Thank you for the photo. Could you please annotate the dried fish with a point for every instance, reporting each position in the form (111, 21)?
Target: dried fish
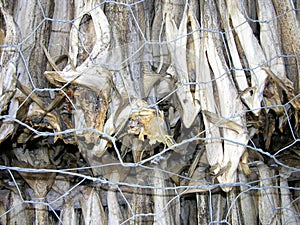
(272, 96)
(162, 210)
(223, 122)
(268, 197)
(92, 208)
(150, 122)
(141, 204)
(290, 37)
(102, 35)
(177, 44)
(247, 201)
(87, 75)
(288, 212)
(244, 163)
(193, 50)
(239, 75)
(4, 206)
(223, 158)
(38, 118)
(21, 214)
(40, 183)
(252, 50)
(287, 86)
(68, 215)
(233, 216)
(202, 208)
(8, 78)
(272, 49)
(114, 211)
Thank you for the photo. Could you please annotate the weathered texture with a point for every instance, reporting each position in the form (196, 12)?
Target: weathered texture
(290, 38)
(35, 32)
(9, 54)
(149, 112)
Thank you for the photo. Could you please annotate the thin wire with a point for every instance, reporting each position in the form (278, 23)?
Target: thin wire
(180, 190)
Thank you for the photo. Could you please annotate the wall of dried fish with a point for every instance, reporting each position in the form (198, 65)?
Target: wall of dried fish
(149, 112)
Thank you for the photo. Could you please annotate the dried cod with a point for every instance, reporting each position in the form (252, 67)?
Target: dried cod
(177, 44)
(290, 37)
(92, 208)
(268, 196)
(88, 75)
(68, 215)
(223, 157)
(289, 211)
(150, 122)
(39, 182)
(8, 60)
(253, 53)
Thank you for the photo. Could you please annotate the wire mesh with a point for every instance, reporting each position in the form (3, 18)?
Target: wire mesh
(113, 167)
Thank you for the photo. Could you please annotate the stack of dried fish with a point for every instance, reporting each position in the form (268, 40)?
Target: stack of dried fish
(162, 112)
